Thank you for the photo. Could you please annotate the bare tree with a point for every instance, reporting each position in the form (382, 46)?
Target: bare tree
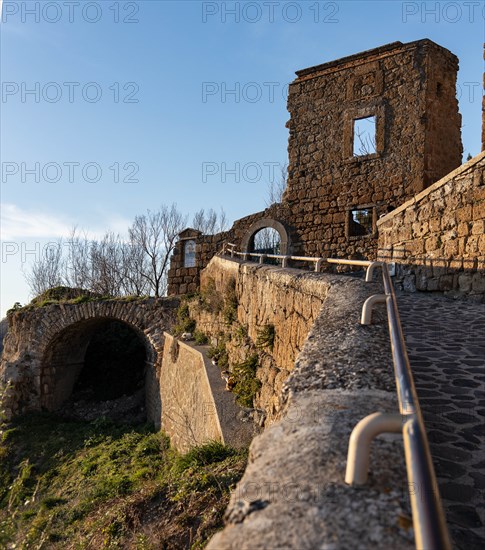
(210, 222)
(133, 262)
(113, 266)
(78, 263)
(277, 186)
(106, 265)
(47, 271)
(156, 234)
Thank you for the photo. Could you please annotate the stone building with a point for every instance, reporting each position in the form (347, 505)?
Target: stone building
(366, 133)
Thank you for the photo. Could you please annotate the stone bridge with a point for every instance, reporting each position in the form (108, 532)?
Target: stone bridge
(45, 348)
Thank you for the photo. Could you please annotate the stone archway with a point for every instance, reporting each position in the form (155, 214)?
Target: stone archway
(45, 348)
(248, 240)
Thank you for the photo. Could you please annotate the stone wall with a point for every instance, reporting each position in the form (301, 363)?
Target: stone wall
(182, 280)
(186, 397)
(287, 299)
(196, 408)
(483, 106)
(437, 239)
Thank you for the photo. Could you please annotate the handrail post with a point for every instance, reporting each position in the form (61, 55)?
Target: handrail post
(262, 257)
(318, 264)
(284, 261)
(360, 441)
(369, 274)
(366, 318)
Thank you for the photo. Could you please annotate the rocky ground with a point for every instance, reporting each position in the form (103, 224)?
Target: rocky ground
(128, 409)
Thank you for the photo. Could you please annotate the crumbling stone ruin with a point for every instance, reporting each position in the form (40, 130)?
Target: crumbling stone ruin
(366, 134)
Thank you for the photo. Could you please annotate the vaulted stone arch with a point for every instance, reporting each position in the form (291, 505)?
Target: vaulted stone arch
(248, 239)
(45, 348)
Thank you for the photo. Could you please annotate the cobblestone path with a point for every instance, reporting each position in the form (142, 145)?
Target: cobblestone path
(446, 346)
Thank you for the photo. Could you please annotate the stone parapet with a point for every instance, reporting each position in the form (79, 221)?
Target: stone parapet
(437, 238)
(293, 494)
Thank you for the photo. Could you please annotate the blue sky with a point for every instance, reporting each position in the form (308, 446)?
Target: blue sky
(141, 91)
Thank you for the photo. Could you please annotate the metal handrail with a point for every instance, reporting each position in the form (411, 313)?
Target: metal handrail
(429, 522)
(284, 258)
(431, 532)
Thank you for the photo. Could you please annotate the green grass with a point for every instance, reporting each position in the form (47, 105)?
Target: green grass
(77, 484)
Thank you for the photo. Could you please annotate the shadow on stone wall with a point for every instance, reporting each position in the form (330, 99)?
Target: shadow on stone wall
(435, 275)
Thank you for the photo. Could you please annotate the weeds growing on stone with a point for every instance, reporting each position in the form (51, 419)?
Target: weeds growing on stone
(266, 336)
(230, 302)
(247, 384)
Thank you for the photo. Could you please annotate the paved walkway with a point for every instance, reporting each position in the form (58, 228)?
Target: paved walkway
(446, 346)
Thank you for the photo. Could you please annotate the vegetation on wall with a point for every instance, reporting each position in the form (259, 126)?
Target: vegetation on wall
(67, 295)
(266, 336)
(210, 298)
(219, 353)
(200, 338)
(100, 485)
(184, 322)
(246, 383)
(230, 302)
(223, 306)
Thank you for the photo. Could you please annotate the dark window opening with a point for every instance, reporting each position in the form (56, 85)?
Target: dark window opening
(361, 222)
(189, 253)
(114, 364)
(364, 136)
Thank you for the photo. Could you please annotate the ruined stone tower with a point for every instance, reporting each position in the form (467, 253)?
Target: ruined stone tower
(367, 132)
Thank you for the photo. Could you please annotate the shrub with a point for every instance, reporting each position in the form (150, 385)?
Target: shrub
(241, 333)
(230, 302)
(211, 299)
(247, 384)
(211, 452)
(266, 335)
(15, 307)
(200, 338)
(185, 323)
(219, 354)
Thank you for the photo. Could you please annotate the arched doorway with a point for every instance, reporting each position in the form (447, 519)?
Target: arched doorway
(97, 368)
(266, 241)
(266, 236)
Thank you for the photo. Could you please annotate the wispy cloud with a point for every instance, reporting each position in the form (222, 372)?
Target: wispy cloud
(19, 223)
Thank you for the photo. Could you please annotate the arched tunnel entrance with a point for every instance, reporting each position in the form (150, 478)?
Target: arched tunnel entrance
(97, 368)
